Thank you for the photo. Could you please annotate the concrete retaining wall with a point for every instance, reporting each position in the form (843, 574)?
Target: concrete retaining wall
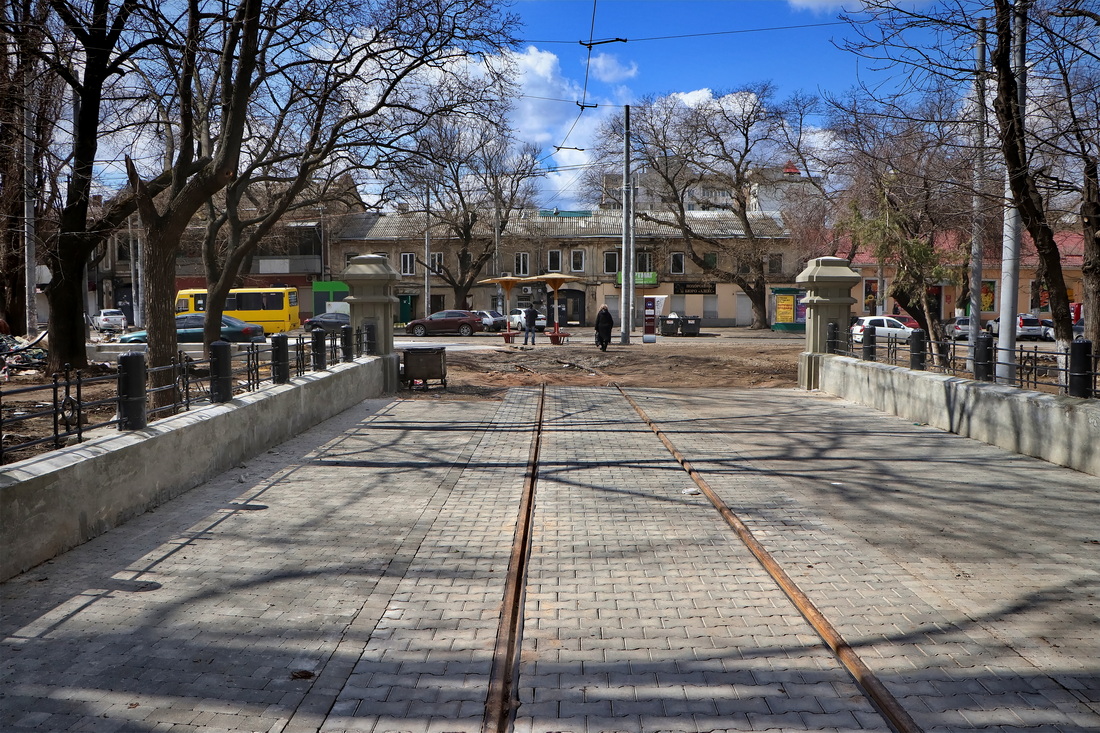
(1062, 430)
(54, 502)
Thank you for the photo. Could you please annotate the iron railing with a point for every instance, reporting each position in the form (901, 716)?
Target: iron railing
(57, 414)
(1072, 371)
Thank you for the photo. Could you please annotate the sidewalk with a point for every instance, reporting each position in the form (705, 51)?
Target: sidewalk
(351, 579)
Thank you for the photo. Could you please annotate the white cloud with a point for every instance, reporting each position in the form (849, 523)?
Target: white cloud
(607, 68)
(819, 6)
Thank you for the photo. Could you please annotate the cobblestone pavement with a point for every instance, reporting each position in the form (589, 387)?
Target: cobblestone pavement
(351, 579)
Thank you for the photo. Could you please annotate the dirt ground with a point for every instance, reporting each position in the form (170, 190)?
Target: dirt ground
(736, 358)
(730, 358)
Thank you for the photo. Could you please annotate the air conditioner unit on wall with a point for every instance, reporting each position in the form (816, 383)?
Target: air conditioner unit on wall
(526, 290)
(505, 274)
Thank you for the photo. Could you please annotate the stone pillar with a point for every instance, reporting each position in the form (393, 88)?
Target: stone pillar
(828, 282)
(373, 306)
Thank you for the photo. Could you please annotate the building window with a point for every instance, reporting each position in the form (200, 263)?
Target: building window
(523, 264)
(676, 263)
(710, 260)
(553, 260)
(643, 262)
(610, 261)
(576, 260)
(408, 263)
(775, 264)
(436, 260)
(348, 257)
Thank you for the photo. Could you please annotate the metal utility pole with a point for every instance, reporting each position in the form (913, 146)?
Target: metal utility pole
(1010, 241)
(626, 292)
(29, 253)
(427, 251)
(977, 178)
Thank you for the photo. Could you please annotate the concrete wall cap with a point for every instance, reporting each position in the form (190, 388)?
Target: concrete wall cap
(828, 270)
(369, 267)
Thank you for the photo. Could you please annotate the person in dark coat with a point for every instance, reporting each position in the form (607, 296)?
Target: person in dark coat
(604, 324)
(530, 316)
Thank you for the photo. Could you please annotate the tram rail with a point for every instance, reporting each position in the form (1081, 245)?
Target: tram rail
(501, 701)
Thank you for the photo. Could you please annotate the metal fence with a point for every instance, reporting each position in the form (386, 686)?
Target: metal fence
(37, 418)
(1072, 372)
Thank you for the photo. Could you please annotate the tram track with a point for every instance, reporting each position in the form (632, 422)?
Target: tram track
(501, 700)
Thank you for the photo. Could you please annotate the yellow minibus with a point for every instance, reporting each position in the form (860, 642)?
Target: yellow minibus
(276, 309)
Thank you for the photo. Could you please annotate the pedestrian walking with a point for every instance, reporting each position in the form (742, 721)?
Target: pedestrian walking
(604, 323)
(530, 315)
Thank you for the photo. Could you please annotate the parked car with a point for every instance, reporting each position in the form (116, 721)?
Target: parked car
(330, 322)
(1027, 327)
(464, 323)
(885, 327)
(189, 331)
(109, 319)
(958, 328)
(907, 320)
(1079, 327)
(492, 320)
(1048, 329)
(519, 321)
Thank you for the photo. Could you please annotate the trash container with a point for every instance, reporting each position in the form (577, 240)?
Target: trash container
(424, 364)
(670, 325)
(689, 325)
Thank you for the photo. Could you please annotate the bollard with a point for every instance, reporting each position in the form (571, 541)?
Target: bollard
(317, 349)
(869, 343)
(280, 358)
(347, 343)
(832, 338)
(1080, 374)
(983, 358)
(221, 371)
(918, 350)
(370, 337)
(131, 391)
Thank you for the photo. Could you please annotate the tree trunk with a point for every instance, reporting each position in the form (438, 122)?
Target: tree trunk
(1090, 269)
(66, 294)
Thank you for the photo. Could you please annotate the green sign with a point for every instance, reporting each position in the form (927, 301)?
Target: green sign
(641, 279)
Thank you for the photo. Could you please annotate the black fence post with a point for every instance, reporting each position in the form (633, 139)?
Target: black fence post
(221, 371)
(869, 343)
(832, 337)
(280, 358)
(1080, 372)
(984, 357)
(347, 344)
(131, 391)
(317, 344)
(918, 350)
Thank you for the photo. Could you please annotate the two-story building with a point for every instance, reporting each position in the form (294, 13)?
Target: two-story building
(584, 244)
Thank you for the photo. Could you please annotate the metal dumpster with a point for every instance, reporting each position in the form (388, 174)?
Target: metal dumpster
(670, 326)
(424, 364)
(689, 325)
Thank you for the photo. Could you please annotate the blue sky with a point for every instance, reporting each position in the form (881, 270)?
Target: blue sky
(696, 45)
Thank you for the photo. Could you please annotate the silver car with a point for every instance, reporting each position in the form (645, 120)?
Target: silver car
(1027, 327)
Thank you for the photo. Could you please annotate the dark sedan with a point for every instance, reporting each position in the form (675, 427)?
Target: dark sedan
(463, 323)
(330, 322)
(189, 330)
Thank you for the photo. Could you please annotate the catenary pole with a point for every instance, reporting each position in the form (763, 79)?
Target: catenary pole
(977, 178)
(1010, 241)
(626, 291)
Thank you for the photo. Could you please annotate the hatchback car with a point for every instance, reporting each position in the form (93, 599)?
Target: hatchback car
(1027, 327)
(492, 320)
(885, 327)
(189, 331)
(957, 328)
(519, 321)
(330, 322)
(109, 319)
(463, 323)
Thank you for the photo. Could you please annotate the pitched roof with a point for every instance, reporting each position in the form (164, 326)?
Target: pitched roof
(534, 224)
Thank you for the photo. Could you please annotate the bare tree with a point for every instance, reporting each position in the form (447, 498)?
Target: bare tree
(269, 56)
(709, 153)
(931, 45)
(472, 178)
